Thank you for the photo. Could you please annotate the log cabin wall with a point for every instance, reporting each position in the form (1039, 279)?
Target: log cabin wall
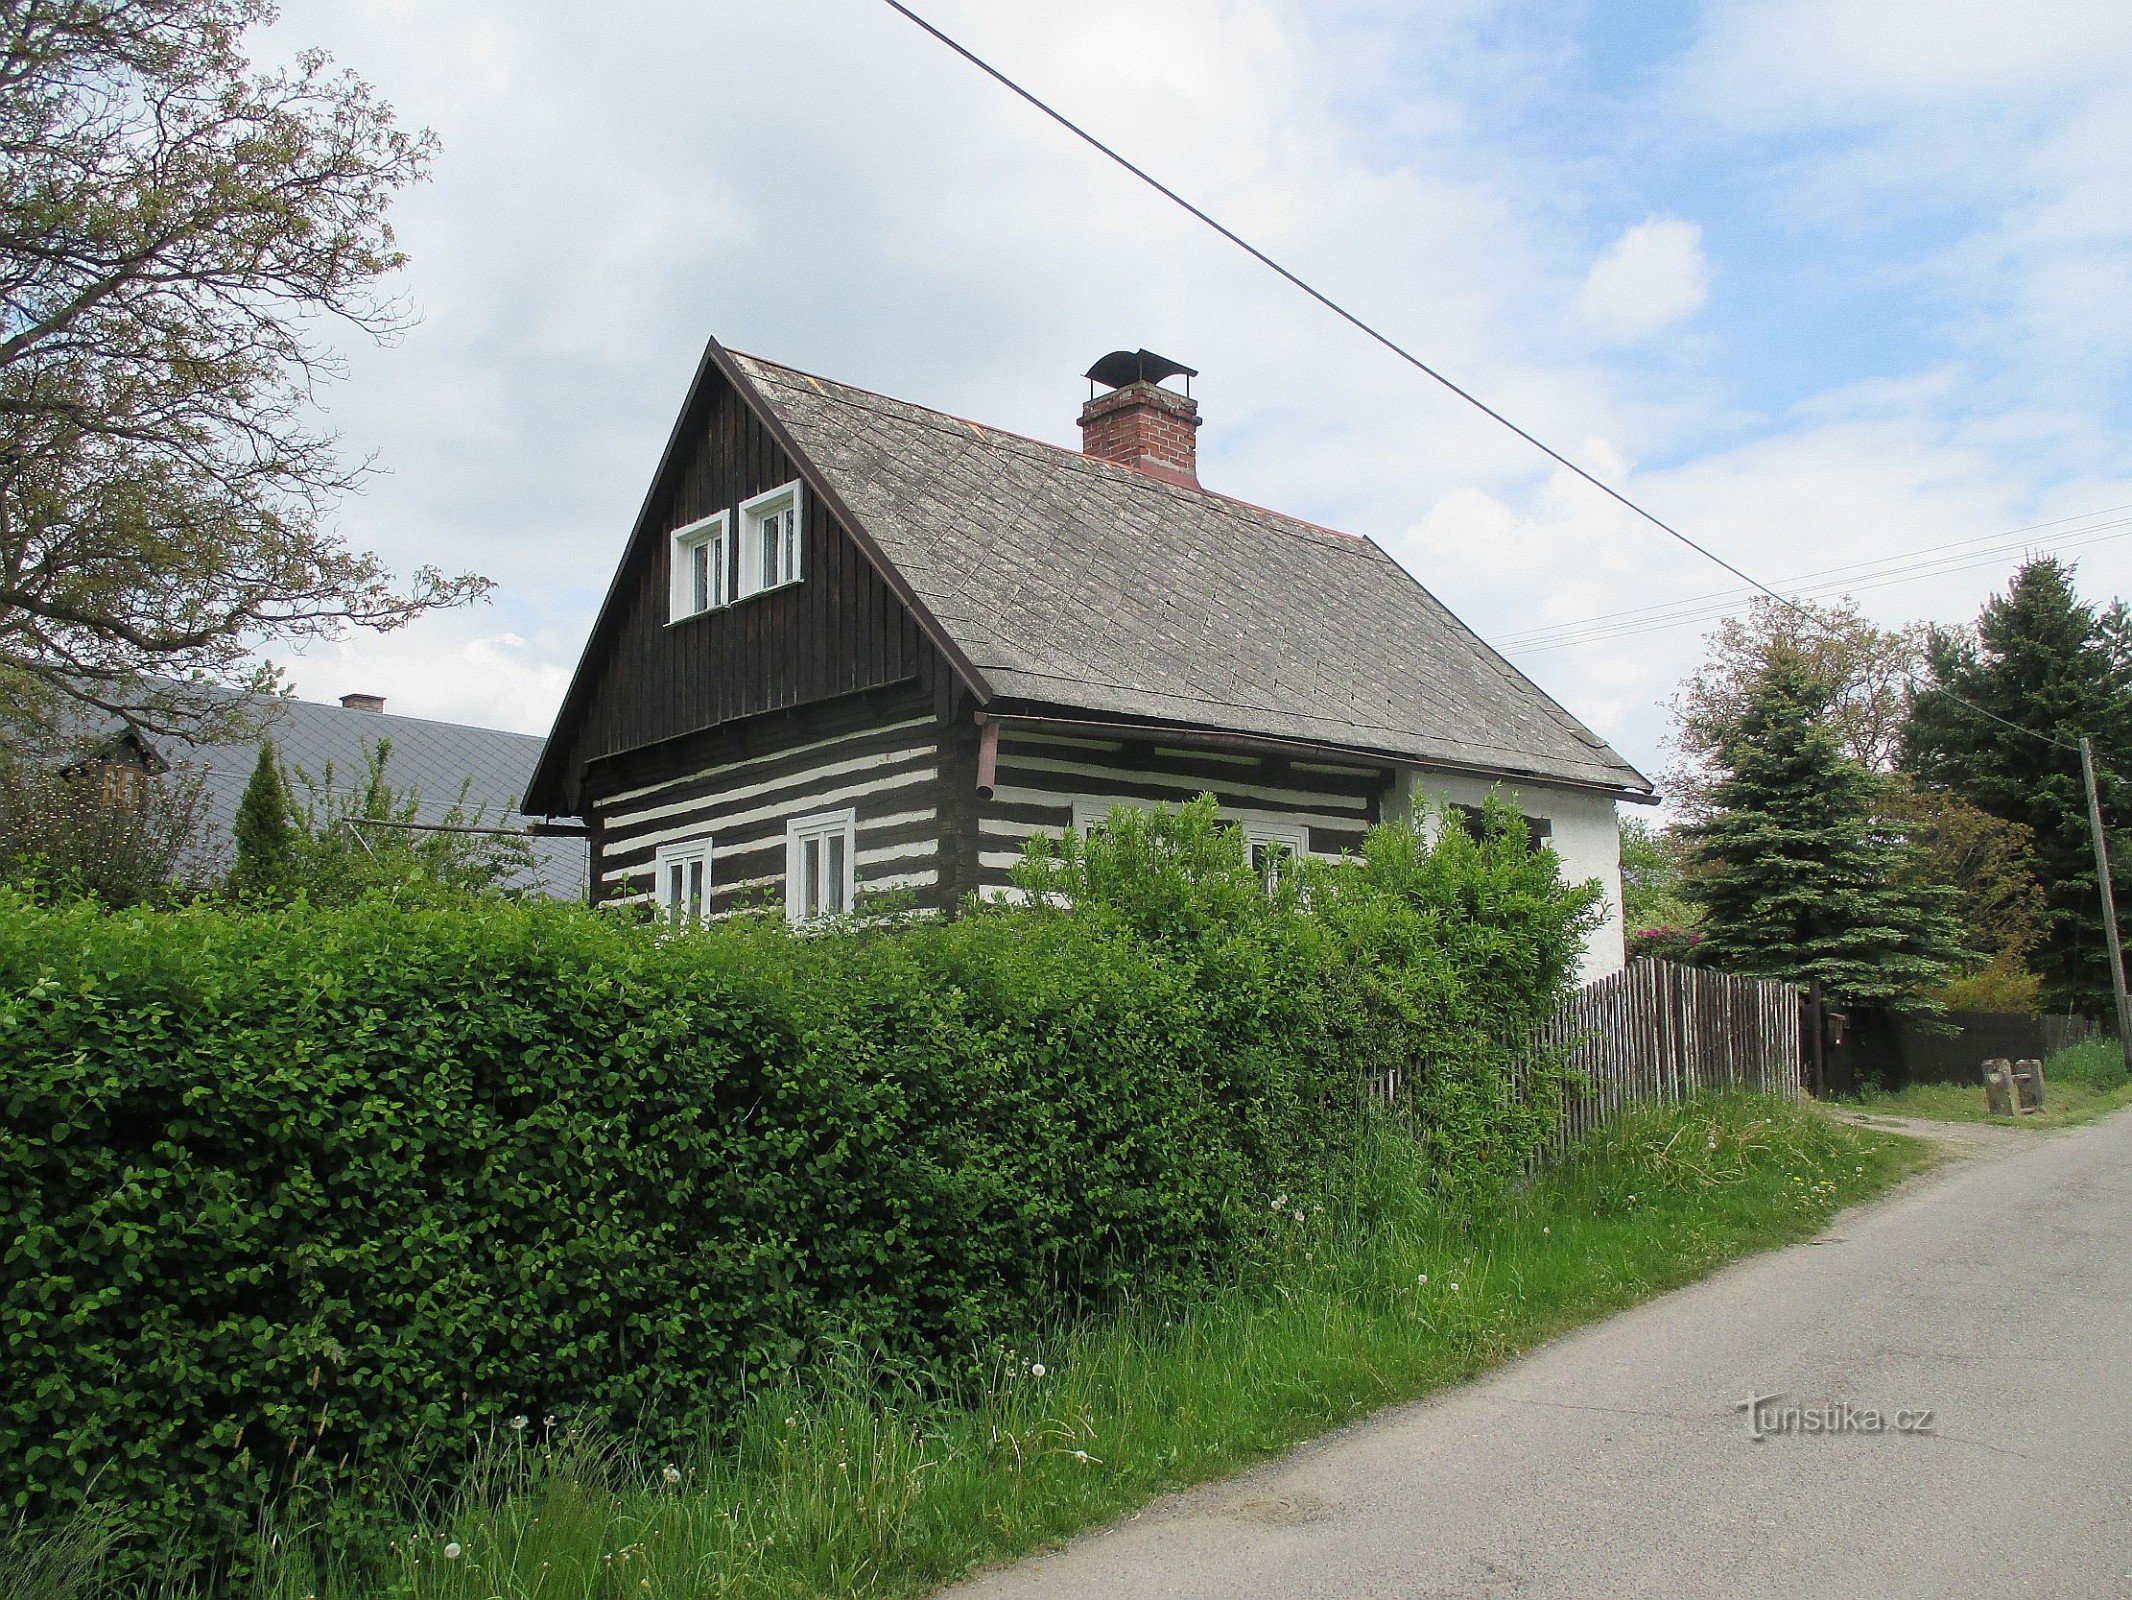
(886, 756)
(1048, 783)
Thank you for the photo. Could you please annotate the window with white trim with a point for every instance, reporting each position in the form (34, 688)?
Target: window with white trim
(821, 863)
(699, 573)
(770, 540)
(1269, 842)
(1089, 815)
(684, 880)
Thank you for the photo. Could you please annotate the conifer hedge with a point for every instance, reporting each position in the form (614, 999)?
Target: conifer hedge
(309, 1200)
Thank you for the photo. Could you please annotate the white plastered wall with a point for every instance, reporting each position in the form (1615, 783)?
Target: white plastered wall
(1587, 836)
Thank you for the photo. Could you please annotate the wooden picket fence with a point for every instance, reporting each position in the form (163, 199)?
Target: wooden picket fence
(1657, 1032)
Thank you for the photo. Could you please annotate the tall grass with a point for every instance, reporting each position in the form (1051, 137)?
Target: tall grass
(2092, 1064)
(865, 1482)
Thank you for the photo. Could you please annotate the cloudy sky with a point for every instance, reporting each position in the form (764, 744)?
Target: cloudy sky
(1826, 283)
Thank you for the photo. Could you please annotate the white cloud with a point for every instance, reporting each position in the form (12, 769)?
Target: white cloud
(434, 669)
(1646, 280)
(821, 184)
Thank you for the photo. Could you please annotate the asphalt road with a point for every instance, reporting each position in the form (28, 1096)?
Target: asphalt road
(1997, 1292)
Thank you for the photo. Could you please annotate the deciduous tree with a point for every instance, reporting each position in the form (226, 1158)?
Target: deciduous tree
(1867, 670)
(177, 230)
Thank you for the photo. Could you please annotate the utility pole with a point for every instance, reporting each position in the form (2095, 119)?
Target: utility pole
(2109, 901)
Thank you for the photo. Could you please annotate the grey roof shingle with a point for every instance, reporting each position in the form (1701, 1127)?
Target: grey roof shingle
(433, 758)
(1077, 583)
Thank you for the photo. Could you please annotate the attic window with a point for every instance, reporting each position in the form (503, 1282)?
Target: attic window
(770, 540)
(699, 576)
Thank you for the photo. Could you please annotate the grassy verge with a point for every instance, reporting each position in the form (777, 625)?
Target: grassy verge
(870, 1486)
(2080, 1084)
(2064, 1104)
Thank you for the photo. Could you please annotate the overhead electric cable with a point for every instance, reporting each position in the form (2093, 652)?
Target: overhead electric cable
(1393, 345)
(1825, 583)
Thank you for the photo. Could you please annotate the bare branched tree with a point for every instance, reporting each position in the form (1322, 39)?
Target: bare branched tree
(177, 230)
(1867, 672)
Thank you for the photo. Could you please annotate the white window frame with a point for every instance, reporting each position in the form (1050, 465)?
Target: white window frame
(819, 830)
(754, 513)
(1090, 813)
(671, 896)
(709, 534)
(1294, 837)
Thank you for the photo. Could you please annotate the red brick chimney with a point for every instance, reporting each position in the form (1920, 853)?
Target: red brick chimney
(1140, 424)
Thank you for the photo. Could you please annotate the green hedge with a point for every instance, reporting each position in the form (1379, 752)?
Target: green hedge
(310, 1200)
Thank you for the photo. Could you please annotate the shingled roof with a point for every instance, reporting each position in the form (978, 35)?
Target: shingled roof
(435, 759)
(1074, 584)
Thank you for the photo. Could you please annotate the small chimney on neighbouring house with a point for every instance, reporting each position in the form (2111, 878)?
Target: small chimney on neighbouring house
(362, 702)
(1139, 423)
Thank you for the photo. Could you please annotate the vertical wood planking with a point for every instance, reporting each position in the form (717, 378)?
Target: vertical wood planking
(1657, 1032)
(838, 631)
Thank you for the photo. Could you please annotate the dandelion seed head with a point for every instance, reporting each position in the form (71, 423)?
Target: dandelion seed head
(670, 1474)
(452, 1552)
(1036, 1369)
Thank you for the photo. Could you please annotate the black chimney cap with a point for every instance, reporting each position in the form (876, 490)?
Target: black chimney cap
(1122, 367)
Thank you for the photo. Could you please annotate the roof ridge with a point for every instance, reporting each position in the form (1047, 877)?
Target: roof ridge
(402, 716)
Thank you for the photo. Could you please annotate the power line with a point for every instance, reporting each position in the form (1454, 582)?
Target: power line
(1389, 343)
(1825, 583)
(1730, 595)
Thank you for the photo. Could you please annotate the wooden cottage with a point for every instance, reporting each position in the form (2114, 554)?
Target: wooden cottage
(856, 646)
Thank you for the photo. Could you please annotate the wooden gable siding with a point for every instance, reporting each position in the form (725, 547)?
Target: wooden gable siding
(886, 756)
(837, 631)
(1040, 776)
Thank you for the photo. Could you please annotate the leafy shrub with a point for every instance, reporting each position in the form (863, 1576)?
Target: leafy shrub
(2004, 983)
(357, 834)
(1425, 962)
(2093, 1064)
(303, 1202)
(1683, 946)
(119, 835)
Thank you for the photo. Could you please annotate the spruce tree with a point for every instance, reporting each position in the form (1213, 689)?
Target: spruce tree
(1796, 878)
(266, 837)
(2042, 659)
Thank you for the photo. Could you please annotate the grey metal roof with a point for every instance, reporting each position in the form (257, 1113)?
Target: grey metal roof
(1072, 582)
(433, 758)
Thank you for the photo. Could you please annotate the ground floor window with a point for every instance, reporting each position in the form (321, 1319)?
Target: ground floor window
(820, 864)
(1270, 842)
(1539, 831)
(684, 873)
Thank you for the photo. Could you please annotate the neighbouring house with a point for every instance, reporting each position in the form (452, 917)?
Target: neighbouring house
(856, 647)
(435, 759)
